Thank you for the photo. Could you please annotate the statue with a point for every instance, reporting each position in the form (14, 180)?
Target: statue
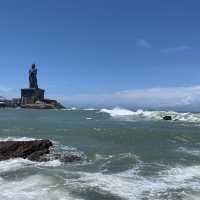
(33, 77)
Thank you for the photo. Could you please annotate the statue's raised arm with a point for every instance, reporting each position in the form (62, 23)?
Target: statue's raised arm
(33, 77)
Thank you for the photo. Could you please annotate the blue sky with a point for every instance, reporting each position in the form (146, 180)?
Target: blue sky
(95, 51)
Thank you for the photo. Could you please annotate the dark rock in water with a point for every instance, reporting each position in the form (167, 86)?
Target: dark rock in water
(31, 150)
(35, 150)
(167, 117)
(39, 156)
(71, 158)
(68, 157)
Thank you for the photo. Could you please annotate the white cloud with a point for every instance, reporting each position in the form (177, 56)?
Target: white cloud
(181, 48)
(143, 43)
(156, 97)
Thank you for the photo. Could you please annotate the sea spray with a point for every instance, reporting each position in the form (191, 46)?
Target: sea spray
(151, 115)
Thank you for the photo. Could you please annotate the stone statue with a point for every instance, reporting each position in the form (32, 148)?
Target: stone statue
(33, 77)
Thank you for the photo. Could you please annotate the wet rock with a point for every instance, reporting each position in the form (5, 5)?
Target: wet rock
(66, 158)
(39, 156)
(35, 150)
(167, 117)
(32, 150)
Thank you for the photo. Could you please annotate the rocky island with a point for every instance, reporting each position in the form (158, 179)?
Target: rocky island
(32, 97)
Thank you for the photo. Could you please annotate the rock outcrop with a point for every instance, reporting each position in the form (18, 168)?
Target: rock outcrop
(46, 104)
(34, 150)
(66, 158)
(167, 117)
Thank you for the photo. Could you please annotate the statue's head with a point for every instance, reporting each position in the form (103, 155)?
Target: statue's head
(33, 66)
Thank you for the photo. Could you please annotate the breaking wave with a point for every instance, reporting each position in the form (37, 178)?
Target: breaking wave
(69, 109)
(117, 112)
(169, 184)
(179, 182)
(17, 139)
(33, 187)
(89, 109)
(19, 163)
(150, 115)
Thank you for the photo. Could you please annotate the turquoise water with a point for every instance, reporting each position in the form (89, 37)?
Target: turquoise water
(127, 155)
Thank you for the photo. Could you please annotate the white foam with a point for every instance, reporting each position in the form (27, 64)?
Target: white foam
(194, 152)
(117, 111)
(151, 115)
(72, 108)
(19, 163)
(88, 118)
(14, 164)
(127, 185)
(40, 187)
(89, 109)
(17, 139)
(131, 186)
(52, 163)
(116, 185)
(181, 174)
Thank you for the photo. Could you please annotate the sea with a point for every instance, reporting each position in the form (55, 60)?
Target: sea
(127, 155)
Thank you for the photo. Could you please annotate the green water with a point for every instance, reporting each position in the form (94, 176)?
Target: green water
(125, 157)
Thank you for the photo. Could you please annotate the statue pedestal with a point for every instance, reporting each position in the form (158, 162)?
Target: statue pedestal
(31, 95)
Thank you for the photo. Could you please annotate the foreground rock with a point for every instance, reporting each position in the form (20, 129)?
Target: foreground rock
(31, 150)
(35, 150)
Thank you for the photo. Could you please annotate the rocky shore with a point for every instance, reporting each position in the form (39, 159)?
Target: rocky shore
(53, 104)
(34, 150)
(45, 104)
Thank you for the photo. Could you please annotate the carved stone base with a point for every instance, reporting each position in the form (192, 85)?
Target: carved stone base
(31, 95)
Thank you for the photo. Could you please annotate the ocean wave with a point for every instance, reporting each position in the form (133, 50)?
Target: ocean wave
(88, 118)
(172, 183)
(169, 184)
(150, 115)
(20, 163)
(117, 112)
(14, 164)
(89, 109)
(38, 187)
(69, 109)
(18, 139)
(193, 152)
(116, 163)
